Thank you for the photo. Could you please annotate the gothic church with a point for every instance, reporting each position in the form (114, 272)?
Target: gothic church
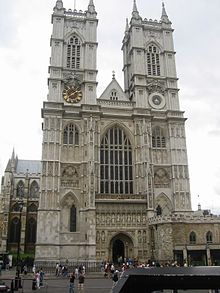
(114, 178)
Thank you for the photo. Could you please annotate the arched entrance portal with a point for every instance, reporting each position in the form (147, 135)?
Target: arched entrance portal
(118, 251)
(121, 248)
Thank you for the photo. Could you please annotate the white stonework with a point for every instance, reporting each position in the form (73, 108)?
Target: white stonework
(114, 173)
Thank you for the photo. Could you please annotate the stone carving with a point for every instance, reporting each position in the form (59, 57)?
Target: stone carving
(69, 176)
(72, 79)
(161, 178)
(155, 86)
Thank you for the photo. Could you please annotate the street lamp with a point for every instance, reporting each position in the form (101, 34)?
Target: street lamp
(20, 208)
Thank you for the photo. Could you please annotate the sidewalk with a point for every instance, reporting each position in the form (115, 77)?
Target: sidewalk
(10, 274)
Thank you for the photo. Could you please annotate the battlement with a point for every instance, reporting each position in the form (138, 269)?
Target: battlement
(152, 23)
(185, 218)
(75, 13)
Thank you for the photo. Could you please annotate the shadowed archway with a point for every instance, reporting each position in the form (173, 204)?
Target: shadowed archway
(121, 248)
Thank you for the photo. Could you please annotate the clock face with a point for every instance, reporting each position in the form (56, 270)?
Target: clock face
(157, 101)
(72, 94)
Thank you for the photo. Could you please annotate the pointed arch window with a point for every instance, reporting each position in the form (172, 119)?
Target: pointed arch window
(153, 60)
(73, 218)
(209, 237)
(20, 189)
(34, 190)
(32, 208)
(73, 53)
(192, 238)
(116, 163)
(71, 135)
(158, 138)
(15, 230)
(31, 230)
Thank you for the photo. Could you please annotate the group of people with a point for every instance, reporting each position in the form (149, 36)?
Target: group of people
(38, 280)
(79, 274)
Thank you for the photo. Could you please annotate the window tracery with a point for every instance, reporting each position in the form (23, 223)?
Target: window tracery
(153, 60)
(31, 230)
(158, 138)
(116, 163)
(71, 135)
(73, 53)
(192, 238)
(14, 230)
(73, 218)
(20, 189)
(209, 237)
(34, 190)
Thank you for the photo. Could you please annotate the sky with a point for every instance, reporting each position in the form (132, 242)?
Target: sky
(25, 30)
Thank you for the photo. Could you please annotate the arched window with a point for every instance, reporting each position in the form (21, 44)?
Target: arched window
(31, 230)
(73, 219)
(209, 237)
(73, 53)
(20, 189)
(71, 135)
(158, 138)
(15, 230)
(159, 210)
(32, 208)
(116, 163)
(114, 95)
(153, 60)
(34, 190)
(192, 238)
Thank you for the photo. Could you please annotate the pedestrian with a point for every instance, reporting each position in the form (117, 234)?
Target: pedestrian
(71, 284)
(76, 272)
(81, 281)
(37, 277)
(115, 277)
(25, 270)
(57, 269)
(34, 269)
(41, 277)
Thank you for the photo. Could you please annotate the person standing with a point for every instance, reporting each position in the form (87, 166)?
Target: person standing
(81, 281)
(71, 284)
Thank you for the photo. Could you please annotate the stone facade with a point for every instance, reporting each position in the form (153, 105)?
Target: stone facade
(114, 173)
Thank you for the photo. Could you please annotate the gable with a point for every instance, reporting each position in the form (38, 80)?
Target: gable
(113, 92)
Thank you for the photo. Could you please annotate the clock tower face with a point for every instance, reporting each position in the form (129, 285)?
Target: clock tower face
(157, 101)
(72, 94)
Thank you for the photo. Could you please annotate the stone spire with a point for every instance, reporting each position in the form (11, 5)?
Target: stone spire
(59, 4)
(91, 7)
(164, 16)
(135, 13)
(127, 26)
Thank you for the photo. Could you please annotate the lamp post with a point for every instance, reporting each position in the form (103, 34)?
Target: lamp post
(20, 206)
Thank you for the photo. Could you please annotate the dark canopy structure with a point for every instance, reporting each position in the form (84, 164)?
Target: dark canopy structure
(146, 280)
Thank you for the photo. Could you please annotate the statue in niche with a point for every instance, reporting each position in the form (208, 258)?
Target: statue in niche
(139, 237)
(144, 237)
(103, 236)
(161, 178)
(113, 218)
(97, 237)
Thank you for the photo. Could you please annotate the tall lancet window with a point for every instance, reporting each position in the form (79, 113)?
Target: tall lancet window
(153, 60)
(73, 219)
(158, 138)
(73, 53)
(116, 163)
(71, 135)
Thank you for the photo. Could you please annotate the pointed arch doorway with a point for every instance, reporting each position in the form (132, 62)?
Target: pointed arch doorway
(121, 248)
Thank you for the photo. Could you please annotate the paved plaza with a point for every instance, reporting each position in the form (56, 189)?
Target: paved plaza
(94, 283)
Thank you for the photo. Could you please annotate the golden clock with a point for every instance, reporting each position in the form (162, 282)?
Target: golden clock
(72, 94)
